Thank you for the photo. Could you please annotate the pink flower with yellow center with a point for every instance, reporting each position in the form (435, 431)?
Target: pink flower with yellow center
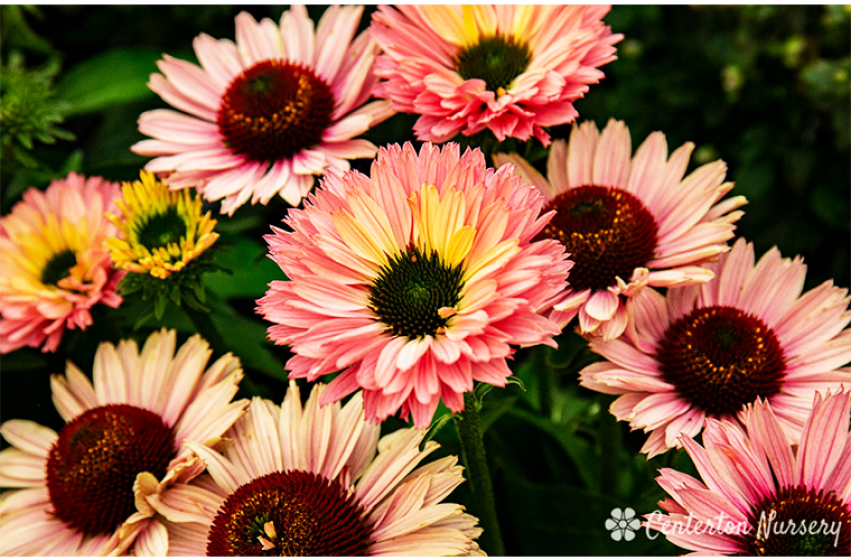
(54, 261)
(75, 489)
(629, 221)
(415, 281)
(305, 480)
(707, 351)
(762, 494)
(510, 69)
(264, 115)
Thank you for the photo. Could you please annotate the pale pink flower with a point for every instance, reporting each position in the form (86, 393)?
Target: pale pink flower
(55, 266)
(306, 481)
(629, 222)
(707, 351)
(75, 492)
(264, 115)
(415, 282)
(761, 494)
(510, 69)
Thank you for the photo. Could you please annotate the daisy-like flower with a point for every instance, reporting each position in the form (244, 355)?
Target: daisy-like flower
(414, 282)
(761, 495)
(629, 222)
(264, 115)
(707, 351)
(161, 230)
(54, 262)
(510, 69)
(75, 489)
(306, 481)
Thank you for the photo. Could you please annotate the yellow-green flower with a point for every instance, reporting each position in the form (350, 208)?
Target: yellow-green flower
(162, 230)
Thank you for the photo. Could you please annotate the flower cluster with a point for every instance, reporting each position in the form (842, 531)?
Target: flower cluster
(409, 288)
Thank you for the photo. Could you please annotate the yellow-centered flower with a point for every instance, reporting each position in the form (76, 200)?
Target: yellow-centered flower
(162, 230)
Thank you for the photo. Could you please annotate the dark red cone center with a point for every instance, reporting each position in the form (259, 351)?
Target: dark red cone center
(720, 358)
(93, 465)
(607, 231)
(274, 110)
(798, 521)
(291, 513)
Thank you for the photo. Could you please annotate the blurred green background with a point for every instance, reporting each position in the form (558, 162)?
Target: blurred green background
(765, 88)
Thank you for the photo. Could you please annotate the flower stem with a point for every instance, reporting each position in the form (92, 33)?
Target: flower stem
(478, 475)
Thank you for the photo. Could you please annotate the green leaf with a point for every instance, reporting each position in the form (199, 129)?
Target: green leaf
(142, 320)
(17, 31)
(112, 78)
(514, 380)
(580, 450)
(73, 162)
(251, 269)
(159, 307)
(247, 339)
(435, 427)
(481, 390)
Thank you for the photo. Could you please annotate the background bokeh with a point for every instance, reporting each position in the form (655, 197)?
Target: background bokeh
(765, 88)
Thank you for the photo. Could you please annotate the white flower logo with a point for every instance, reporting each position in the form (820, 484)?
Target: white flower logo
(623, 524)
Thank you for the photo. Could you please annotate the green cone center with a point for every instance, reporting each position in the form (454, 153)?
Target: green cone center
(496, 60)
(411, 289)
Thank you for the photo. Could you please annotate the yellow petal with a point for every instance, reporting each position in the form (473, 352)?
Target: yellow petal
(471, 31)
(459, 246)
(485, 16)
(358, 239)
(446, 22)
(522, 20)
(493, 259)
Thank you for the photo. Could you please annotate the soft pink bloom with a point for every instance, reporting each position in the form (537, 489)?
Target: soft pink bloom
(264, 115)
(629, 222)
(707, 351)
(510, 69)
(55, 266)
(311, 474)
(761, 494)
(415, 281)
(75, 488)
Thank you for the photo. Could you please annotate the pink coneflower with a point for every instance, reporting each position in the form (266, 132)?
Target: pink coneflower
(761, 495)
(510, 69)
(306, 481)
(414, 282)
(706, 351)
(76, 494)
(54, 261)
(267, 114)
(629, 222)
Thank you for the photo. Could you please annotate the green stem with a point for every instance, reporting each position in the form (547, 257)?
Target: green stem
(203, 323)
(478, 475)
